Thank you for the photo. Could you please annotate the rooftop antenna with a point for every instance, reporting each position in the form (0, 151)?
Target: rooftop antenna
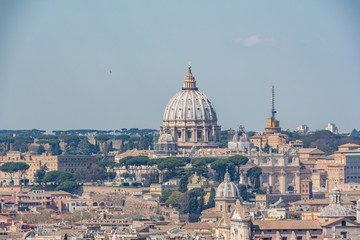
(273, 111)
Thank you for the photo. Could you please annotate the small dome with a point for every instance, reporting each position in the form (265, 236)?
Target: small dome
(336, 211)
(227, 189)
(335, 208)
(166, 138)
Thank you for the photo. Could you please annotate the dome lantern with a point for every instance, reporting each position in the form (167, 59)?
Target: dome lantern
(189, 81)
(227, 176)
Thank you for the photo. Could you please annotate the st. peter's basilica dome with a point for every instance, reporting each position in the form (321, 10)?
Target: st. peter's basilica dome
(191, 119)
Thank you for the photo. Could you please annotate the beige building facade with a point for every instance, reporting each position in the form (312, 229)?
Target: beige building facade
(280, 171)
(53, 163)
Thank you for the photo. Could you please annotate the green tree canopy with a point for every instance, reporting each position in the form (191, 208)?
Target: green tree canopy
(211, 202)
(40, 174)
(238, 160)
(165, 195)
(254, 174)
(102, 138)
(243, 192)
(52, 177)
(123, 137)
(68, 186)
(171, 163)
(84, 147)
(13, 167)
(183, 183)
(66, 176)
(133, 160)
(173, 199)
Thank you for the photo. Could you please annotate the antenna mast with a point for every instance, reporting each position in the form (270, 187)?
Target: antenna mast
(273, 111)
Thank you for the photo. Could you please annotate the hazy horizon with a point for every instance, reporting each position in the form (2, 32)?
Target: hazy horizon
(116, 64)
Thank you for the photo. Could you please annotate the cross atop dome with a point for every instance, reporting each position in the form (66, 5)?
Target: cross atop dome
(189, 82)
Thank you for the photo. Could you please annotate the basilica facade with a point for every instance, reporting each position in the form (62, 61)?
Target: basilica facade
(189, 121)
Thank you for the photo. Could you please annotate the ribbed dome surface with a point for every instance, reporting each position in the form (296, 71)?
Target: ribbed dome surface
(190, 105)
(336, 210)
(227, 189)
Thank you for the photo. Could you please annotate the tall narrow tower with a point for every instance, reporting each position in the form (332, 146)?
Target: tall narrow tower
(272, 125)
(273, 111)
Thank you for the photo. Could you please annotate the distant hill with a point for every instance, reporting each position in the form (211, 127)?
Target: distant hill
(33, 133)
(323, 140)
(94, 132)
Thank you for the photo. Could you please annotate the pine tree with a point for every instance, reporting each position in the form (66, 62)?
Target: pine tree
(211, 202)
(183, 184)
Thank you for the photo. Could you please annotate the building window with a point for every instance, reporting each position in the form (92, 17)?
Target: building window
(221, 207)
(290, 179)
(189, 135)
(265, 179)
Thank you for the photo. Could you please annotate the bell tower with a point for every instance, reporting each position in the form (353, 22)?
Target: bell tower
(272, 125)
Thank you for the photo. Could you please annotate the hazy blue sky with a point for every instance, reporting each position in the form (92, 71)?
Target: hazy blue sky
(56, 58)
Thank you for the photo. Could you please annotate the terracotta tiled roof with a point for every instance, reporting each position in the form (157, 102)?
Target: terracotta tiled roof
(225, 221)
(312, 202)
(311, 150)
(198, 225)
(212, 214)
(5, 217)
(325, 201)
(243, 211)
(58, 192)
(287, 224)
(134, 152)
(340, 219)
(208, 210)
(329, 157)
(349, 145)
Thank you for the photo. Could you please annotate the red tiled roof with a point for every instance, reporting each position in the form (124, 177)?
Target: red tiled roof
(287, 224)
(198, 225)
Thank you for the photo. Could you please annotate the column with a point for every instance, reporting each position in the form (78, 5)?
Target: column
(205, 135)
(282, 181)
(270, 180)
(297, 182)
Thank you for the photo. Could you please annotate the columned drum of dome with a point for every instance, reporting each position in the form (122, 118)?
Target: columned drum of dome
(191, 118)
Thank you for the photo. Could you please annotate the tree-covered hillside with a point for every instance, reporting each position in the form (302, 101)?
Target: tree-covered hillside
(323, 140)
